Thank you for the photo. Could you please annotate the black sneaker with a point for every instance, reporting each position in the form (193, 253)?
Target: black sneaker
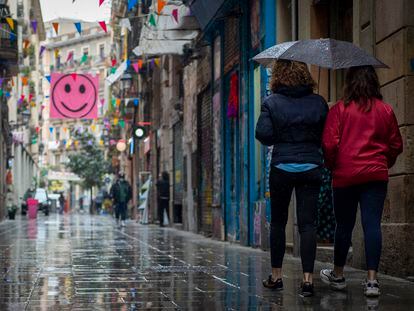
(276, 285)
(329, 277)
(306, 290)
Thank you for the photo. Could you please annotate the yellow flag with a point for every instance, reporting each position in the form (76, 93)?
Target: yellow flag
(93, 127)
(157, 62)
(101, 142)
(10, 21)
(115, 121)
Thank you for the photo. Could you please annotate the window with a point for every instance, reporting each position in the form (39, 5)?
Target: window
(101, 50)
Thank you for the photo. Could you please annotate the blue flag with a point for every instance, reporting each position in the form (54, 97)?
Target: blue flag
(78, 26)
(12, 36)
(131, 4)
(136, 102)
(48, 78)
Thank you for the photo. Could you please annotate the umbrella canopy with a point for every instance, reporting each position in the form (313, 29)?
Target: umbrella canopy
(326, 53)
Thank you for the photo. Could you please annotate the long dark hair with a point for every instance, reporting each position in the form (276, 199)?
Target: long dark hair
(362, 87)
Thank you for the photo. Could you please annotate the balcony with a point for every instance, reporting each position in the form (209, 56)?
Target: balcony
(8, 48)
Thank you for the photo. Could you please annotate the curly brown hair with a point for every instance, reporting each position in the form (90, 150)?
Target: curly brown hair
(361, 87)
(290, 73)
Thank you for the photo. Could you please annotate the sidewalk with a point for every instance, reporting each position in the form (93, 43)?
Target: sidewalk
(86, 263)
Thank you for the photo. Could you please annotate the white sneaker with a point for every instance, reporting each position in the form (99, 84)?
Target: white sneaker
(371, 288)
(328, 277)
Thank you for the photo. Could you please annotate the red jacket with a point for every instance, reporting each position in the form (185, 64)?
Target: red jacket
(359, 146)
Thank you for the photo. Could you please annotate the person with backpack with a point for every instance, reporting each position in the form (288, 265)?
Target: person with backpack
(121, 193)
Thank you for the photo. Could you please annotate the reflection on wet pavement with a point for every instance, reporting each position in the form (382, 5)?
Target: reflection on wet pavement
(80, 262)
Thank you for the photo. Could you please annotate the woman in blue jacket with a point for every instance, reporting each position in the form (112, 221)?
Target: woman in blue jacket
(292, 121)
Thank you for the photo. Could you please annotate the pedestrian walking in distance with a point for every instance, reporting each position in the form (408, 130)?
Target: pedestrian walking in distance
(361, 142)
(121, 193)
(163, 190)
(292, 120)
(61, 203)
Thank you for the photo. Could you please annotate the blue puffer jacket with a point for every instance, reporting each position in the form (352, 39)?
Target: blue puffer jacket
(292, 120)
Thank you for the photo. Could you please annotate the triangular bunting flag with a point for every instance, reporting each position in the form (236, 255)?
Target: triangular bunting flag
(1, 92)
(12, 36)
(70, 56)
(125, 22)
(157, 62)
(51, 130)
(25, 81)
(136, 68)
(136, 102)
(42, 49)
(56, 27)
(10, 21)
(161, 5)
(78, 27)
(34, 25)
(131, 4)
(103, 26)
(48, 78)
(57, 53)
(152, 20)
(1, 81)
(84, 58)
(74, 76)
(140, 63)
(113, 62)
(175, 15)
(100, 2)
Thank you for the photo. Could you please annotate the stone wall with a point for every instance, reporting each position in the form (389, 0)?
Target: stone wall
(394, 37)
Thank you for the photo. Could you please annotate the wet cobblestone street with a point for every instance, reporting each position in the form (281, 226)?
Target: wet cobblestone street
(81, 262)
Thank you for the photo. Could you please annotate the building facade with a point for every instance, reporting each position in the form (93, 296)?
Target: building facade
(24, 97)
(203, 99)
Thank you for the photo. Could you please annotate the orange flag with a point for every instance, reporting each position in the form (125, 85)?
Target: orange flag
(25, 81)
(161, 5)
(140, 63)
(56, 27)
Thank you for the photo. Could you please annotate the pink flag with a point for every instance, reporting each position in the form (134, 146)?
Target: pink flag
(100, 2)
(103, 26)
(74, 98)
(135, 65)
(175, 15)
(74, 75)
(70, 56)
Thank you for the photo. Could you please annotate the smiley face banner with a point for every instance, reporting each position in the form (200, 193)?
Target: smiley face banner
(74, 96)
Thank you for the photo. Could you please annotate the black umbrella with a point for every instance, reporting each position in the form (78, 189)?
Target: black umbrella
(326, 53)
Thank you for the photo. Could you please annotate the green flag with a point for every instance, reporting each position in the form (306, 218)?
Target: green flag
(152, 20)
(84, 59)
(1, 92)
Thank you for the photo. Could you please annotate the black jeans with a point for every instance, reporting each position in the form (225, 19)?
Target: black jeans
(307, 186)
(163, 204)
(121, 210)
(371, 197)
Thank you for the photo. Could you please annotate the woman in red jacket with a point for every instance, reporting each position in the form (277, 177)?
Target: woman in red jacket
(361, 142)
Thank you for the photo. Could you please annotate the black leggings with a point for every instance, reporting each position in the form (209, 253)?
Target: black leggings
(307, 186)
(371, 197)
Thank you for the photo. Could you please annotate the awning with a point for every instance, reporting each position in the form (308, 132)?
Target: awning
(168, 36)
(205, 10)
(117, 74)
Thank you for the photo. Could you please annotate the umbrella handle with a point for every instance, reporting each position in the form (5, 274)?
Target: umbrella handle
(319, 78)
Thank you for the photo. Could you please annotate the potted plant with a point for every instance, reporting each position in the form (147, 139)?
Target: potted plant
(12, 209)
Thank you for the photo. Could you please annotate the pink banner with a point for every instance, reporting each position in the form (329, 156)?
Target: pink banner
(74, 96)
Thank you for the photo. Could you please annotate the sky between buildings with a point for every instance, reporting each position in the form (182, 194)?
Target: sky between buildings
(83, 10)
